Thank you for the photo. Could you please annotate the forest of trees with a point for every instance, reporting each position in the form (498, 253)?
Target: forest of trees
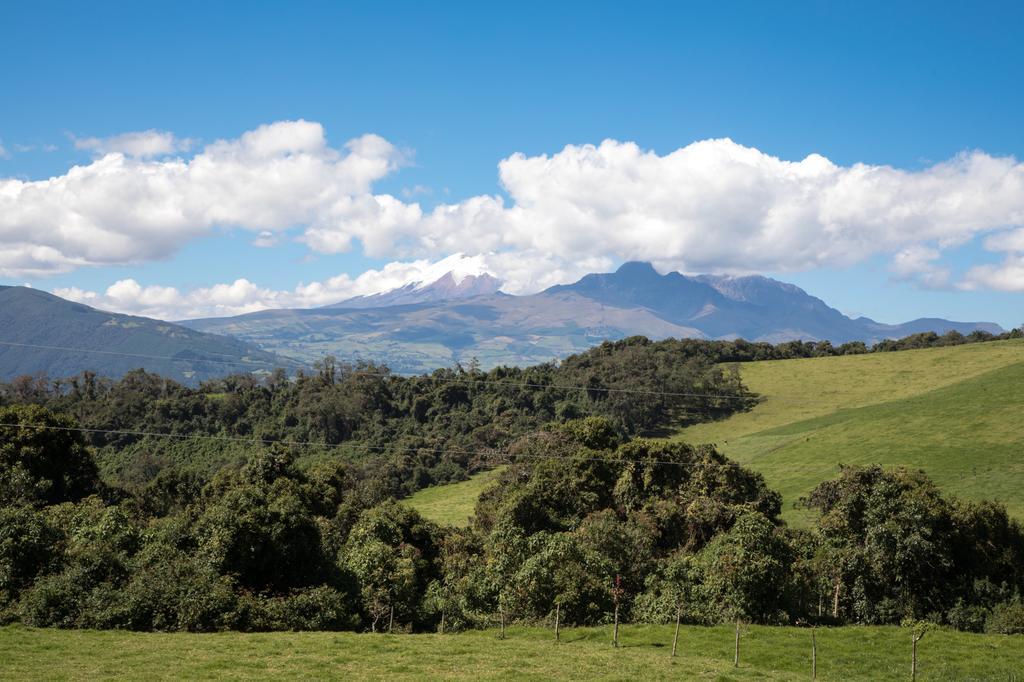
(275, 503)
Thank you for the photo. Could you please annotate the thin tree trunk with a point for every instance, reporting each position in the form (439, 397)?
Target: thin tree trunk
(501, 614)
(736, 654)
(391, 619)
(442, 622)
(558, 613)
(814, 655)
(675, 637)
(835, 598)
(915, 638)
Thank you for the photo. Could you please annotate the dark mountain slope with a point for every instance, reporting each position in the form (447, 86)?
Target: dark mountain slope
(117, 343)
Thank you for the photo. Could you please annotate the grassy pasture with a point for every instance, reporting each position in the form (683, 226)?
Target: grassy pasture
(766, 653)
(452, 504)
(957, 413)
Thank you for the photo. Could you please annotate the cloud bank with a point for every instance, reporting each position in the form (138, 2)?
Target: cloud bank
(244, 296)
(711, 206)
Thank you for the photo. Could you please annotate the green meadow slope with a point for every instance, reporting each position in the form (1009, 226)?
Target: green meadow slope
(957, 413)
(705, 653)
(452, 504)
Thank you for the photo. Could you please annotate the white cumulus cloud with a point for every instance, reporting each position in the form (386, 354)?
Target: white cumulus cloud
(124, 209)
(713, 206)
(1006, 276)
(244, 296)
(710, 206)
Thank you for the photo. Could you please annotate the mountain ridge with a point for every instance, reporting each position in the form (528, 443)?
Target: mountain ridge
(447, 287)
(45, 333)
(497, 328)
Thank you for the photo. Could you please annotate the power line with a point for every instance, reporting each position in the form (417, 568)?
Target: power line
(427, 377)
(509, 456)
(144, 356)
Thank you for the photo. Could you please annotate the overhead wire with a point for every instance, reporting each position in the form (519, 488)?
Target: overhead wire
(492, 453)
(364, 446)
(427, 377)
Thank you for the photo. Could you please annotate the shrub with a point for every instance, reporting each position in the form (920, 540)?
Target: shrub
(316, 608)
(1006, 618)
(28, 545)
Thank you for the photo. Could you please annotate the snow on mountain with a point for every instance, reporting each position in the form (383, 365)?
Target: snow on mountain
(449, 286)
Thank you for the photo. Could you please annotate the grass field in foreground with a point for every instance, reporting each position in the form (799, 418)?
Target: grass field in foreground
(452, 504)
(766, 653)
(957, 413)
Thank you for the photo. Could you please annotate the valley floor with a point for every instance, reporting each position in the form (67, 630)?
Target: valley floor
(766, 653)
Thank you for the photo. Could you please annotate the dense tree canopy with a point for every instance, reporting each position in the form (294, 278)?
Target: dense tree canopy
(273, 504)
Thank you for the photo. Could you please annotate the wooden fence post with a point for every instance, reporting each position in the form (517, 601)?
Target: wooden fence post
(675, 637)
(736, 654)
(616, 592)
(814, 655)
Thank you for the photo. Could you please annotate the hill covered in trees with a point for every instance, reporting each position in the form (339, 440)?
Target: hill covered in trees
(42, 333)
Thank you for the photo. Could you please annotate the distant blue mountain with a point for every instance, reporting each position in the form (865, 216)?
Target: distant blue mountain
(417, 328)
(754, 307)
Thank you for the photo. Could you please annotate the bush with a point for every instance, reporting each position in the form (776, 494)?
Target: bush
(316, 608)
(28, 545)
(1006, 618)
(53, 601)
(170, 590)
(967, 617)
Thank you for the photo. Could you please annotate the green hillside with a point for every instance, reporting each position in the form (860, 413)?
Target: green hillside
(40, 332)
(766, 653)
(957, 413)
(452, 505)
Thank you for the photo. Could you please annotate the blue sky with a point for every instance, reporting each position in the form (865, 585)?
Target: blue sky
(455, 88)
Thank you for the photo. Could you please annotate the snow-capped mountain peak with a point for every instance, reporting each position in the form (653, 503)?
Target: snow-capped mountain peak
(450, 285)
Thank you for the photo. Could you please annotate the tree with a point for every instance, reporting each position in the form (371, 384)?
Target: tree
(743, 572)
(391, 552)
(43, 459)
(260, 527)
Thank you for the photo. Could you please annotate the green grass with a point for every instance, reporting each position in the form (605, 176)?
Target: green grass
(766, 653)
(957, 413)
(452, 504)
